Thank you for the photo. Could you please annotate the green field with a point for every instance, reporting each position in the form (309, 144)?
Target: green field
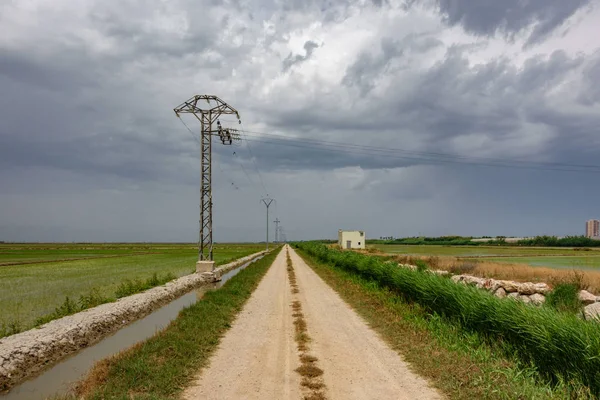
(552, 257)
(36, 278)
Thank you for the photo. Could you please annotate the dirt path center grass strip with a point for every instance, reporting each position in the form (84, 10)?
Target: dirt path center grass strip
(164, 365)
(461, 364)
(313, 386)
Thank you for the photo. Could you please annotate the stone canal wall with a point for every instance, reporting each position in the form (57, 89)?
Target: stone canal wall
(27, 353)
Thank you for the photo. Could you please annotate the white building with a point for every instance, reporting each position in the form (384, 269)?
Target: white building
(351, 239)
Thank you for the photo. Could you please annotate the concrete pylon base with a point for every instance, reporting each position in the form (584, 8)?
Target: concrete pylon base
(204, 266)
(211, 277)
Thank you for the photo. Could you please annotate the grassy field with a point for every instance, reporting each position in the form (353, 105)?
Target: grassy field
(552, 257)
(162, 366)
(36, 278)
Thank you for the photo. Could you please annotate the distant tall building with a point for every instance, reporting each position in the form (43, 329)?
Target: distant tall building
(592, 228)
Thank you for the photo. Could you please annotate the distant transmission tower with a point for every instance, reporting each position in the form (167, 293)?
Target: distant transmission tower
(267, 202)
(208, 112)
(277, 221)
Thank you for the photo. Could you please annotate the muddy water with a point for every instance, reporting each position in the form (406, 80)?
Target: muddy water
(61, 377)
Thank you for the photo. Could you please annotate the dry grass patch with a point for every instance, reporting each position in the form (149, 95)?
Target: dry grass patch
(306, 358)
(312, 381)
(309, 371)
(507, 271)
(311, 384)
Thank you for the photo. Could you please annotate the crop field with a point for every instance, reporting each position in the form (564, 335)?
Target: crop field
(35, 279)
(551, 257)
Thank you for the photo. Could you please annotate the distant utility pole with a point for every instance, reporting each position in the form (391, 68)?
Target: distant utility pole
(277, 221)
(267, 202)
(208, 112)
(282, 236)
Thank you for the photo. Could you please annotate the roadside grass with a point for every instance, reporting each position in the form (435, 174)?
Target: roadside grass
(564, 297)
(162, 366)
(462, 364)
(44, 285)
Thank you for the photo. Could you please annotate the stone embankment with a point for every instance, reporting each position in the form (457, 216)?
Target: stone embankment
(527, 292)
(26, 353)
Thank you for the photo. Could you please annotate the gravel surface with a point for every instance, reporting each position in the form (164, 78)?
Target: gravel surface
(257, 357)
(26, 354)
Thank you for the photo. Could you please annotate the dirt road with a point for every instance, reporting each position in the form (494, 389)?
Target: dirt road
(258, 356)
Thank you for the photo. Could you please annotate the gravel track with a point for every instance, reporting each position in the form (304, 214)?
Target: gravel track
(257, 357)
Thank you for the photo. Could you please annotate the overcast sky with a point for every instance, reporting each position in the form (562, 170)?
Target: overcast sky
(90, 149)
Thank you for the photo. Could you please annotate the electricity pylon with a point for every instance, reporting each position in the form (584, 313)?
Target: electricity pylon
(207, 115)
(277, 221)
(267, 202)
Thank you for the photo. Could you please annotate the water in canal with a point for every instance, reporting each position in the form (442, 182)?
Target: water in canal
(62, 376)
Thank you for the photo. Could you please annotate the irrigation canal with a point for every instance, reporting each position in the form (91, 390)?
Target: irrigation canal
(60, 378)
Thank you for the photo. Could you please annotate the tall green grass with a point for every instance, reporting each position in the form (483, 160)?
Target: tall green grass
(561, 346)
(95, 297)
(564, 297)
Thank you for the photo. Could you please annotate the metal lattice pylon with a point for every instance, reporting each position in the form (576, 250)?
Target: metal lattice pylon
(207, 109)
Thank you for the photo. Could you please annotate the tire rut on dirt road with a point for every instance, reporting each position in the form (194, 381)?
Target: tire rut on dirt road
(312, 384)
(257, 358)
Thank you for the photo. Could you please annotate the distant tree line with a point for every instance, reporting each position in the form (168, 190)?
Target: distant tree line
(539, 241)
(553, 241)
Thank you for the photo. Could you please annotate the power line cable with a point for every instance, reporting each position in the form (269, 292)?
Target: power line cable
(252, 158)
(440, 158)
(421, 156)
(254, 162)
(421, 153)
(241, 164)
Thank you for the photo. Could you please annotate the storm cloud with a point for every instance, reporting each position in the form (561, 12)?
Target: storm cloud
(455, 119)
(510, 17)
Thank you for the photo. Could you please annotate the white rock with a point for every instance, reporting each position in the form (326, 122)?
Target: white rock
(527, 288)
(500, 292)
(592, 311)
(510, 286)
(586, 297)
(537, 299)
(474, 280)
(492, 285)
(542, 288)
(525, 299)
(513, 295)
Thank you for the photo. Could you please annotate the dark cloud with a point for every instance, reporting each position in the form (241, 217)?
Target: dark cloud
(90, 147)
(590, 94)
(486, 17)
(370, 66)
(511, 109)
(290, 60)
